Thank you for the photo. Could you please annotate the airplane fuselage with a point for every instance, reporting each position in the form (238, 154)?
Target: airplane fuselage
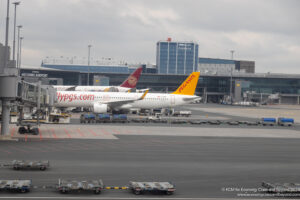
(151, 100)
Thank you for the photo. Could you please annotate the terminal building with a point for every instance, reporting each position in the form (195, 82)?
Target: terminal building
(176, 57)
(223, 66)
(175, 61)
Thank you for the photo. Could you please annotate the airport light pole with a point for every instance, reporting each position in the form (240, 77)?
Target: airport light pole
(6, 56)
(5, 101)
(230, 89)
(18, 49)
(232, 51)
(15, 18)
(89, 54)
(21, 39)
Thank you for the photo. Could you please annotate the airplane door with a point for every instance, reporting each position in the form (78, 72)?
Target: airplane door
(172, 100)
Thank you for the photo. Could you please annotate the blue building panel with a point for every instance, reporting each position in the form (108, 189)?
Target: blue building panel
(215, 61)
(176, 57)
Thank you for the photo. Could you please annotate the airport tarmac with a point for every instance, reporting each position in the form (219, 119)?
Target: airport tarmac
(243, 112)
(202, 162)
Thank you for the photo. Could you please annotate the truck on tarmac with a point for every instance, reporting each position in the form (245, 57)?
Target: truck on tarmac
(103, 118)
(87, 118)
(268, 121)
(285, 121)
(121, 118)
(156, 118)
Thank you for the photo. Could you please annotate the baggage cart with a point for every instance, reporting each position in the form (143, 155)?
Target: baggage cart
(233, 123)
(214, 122)
(198, 122)
(15, 185)
(23, 164)
(282, 187)
(141, 187)
(65, 186)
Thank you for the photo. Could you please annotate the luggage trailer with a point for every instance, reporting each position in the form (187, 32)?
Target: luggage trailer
(65, 186)
(141, 187)
(15, 185)
(26, 164)
(22, 164)
(282, 187)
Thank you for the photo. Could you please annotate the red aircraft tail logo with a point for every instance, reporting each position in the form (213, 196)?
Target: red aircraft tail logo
(132, 80)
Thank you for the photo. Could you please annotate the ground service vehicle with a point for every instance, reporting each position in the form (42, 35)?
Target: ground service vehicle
(121, 118)
(87, 118)
(268, 121)
(184, 113)
(285, 121)
(103, 118)
(155, 118)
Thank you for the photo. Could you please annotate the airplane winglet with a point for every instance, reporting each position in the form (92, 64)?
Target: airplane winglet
(143, 96)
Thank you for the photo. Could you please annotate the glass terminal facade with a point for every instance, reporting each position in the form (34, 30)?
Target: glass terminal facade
(212, 86)
(176, 57)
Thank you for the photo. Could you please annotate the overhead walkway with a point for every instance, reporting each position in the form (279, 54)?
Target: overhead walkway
(19, 95)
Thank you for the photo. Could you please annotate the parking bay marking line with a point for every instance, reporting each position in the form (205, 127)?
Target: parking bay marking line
(53, 133)
(41, 137)
(80, 132)
(93, 132)
(12, 131)
(67, 133)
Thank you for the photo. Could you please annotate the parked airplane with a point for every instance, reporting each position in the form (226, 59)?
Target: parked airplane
(102, 102)
(126, 86)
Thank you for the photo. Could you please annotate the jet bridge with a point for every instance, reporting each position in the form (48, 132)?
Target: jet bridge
(16, 94)
(37, 99)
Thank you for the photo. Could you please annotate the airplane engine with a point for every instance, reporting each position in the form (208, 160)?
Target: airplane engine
(100, 108)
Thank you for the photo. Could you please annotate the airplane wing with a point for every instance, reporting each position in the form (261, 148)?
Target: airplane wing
(115, 104)
(138, 90)
(72, 88)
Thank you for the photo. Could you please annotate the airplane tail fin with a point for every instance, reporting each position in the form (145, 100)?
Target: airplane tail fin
(188, 87)
(132, 80)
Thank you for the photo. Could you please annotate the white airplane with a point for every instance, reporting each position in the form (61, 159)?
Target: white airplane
(126, 86)
(103, 102)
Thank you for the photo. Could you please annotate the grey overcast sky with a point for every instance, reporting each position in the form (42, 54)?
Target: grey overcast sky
(265, 31)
